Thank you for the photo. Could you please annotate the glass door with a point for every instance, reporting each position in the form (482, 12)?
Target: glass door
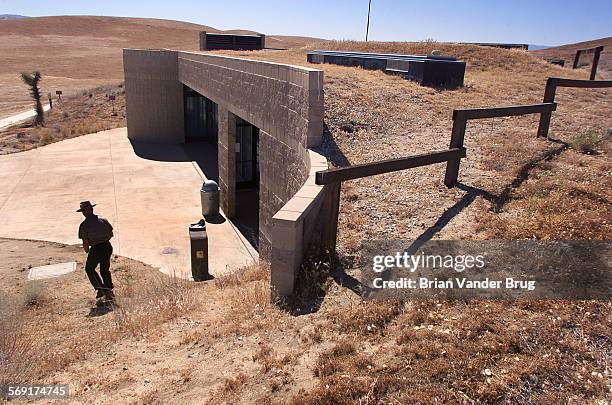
(247, 170)
(201, 122)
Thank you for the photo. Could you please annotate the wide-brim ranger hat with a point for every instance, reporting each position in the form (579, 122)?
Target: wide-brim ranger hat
(85, 204)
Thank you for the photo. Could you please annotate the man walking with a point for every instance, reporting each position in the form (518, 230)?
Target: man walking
(96, 233)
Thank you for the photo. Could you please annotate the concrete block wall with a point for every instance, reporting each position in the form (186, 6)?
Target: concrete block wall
(293, 228)
(154, 96)
(285, 102)
(227, 160)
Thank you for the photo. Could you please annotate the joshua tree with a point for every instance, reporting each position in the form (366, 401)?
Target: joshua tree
(32, 80)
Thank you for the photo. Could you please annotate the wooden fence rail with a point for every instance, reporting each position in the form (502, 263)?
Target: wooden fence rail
(596, 55)
(461, 117)
(386, 166)
(551, 90)
(333, 178)
(511, 111)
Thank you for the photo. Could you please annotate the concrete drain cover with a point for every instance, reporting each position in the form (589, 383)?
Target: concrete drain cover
(50, 271)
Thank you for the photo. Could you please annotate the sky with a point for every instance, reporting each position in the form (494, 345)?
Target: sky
(541, 22)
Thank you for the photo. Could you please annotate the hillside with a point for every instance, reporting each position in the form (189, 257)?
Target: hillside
(567, 52)
(224, 342)
(77, 52)
(12, 16)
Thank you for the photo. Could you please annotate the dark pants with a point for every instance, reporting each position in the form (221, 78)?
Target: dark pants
(100, 254)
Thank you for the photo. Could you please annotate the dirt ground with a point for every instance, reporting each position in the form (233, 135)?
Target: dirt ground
(171, 341)
(224, 342)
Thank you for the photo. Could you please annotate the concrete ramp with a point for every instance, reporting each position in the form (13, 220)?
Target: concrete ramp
(150, 200)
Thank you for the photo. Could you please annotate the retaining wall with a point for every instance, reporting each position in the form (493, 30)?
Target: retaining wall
(294, 226)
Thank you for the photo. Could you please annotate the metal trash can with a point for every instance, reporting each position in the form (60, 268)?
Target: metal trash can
(199, 251)
(210, 198)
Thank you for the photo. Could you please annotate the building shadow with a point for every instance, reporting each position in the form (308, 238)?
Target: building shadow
(330, 149)
(204, 154)
(498, 201)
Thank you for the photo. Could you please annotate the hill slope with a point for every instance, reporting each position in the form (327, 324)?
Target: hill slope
(12, 16)
(567, 52)
(76, 52)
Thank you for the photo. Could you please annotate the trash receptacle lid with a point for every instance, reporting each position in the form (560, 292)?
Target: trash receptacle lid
(210, 185)
(198, 226)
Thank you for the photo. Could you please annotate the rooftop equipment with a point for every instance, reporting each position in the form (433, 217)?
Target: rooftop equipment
(430, 70)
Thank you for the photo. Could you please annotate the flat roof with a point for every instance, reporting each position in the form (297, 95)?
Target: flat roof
(234, 35)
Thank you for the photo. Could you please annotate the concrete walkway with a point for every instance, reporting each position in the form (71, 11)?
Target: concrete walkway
(149, 192)
(17, 118)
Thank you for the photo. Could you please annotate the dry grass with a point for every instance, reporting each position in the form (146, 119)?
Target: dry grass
(85, 113)
(568, 52)
(249, 351)
(242, 348)
(42, 333)
(587, 142)
(80, 52)
(34, 294)
(552, 205)
(18, 348)
(519, 354)
(148, 305)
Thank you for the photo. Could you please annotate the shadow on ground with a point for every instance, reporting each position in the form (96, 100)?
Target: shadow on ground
(498, 202)
(203, 153)
(100, 310)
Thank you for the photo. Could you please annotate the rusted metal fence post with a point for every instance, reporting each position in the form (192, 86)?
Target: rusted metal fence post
(549, 97)
(457, 137)
(331, 206)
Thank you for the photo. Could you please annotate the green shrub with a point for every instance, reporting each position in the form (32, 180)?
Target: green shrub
(585, 142)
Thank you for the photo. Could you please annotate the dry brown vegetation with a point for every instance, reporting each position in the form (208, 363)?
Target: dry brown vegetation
(372, 116)
(79, 52)
(568, 52)
(227, 343)
(84, 113)
(43, 323)
(171, 341)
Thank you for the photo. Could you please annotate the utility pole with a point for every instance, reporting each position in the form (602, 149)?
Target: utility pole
(368, 24)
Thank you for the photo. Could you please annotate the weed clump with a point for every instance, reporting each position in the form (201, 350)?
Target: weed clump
(586, 142)
(33, 294)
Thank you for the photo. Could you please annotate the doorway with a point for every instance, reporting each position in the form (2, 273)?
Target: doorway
(247, 180)
(201, 117)
(201, 131)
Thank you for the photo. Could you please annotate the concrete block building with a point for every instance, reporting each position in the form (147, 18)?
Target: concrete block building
(261, 121)
(238, 42)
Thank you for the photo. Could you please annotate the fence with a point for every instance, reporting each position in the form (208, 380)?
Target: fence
(461, 117)
(596, 54)
(333, 178)
(551, 90)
